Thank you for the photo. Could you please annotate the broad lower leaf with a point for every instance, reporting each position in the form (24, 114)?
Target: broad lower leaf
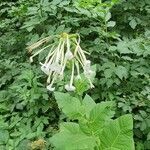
(88, 104)
(118, 134)
(71, 138)
(99, 115)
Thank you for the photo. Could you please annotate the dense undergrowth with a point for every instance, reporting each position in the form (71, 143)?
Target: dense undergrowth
(117, 36)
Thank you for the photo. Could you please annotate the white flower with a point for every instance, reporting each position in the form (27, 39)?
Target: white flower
(87, 65)
(31, 59)
(56, 68)
(69, 55)
(50, 88)
(69, 87)
(78, 77)
(89, 73)
(91, 84)
(45, 68)
(67, 51)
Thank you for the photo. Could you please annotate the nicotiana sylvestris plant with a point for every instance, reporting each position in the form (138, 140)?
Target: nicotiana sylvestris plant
(91, 126)
(63, 49)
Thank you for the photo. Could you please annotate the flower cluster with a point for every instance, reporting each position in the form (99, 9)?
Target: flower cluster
(66, 49)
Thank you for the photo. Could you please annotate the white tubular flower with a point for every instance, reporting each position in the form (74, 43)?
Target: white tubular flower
(65, 50)
(31, 59)
(50, 88)
(87, 69)
(91, 84)
(38, 52)
(45, 68)
(56, 68)
(68, 55)
(69, 88)
(88, 73)
(37, 44)
(87, 63)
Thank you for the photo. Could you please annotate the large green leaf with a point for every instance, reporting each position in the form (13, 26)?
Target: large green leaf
(72, 138)
(88, 104)
(99, 115)
(118, 134)
(70, 106)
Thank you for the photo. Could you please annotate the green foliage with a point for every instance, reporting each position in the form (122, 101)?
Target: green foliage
(115, 33)
(25, 111)
(94, 128)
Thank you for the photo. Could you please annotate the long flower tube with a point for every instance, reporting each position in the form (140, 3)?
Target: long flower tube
(65, 50)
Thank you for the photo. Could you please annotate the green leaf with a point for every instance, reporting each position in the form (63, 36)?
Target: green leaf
(88, 104)
(81, 85)
(60, 29)
(148, 136)
(133, 23)
(121, 72)
(99, 115)
(70, 106)
(111, 24)
(72, 138)
(108, 16)
(118, 134)
(108, 72)
(56, 2)
(4, 136)
(102, 111)
(122, 47)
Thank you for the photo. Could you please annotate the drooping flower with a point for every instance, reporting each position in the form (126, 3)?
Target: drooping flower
(45, 68)
(69, 88)
(65, 50)
(50, 88)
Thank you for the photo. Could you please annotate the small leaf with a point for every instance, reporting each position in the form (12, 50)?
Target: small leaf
(122, 47)
(121, 72)
(81, 85)
(133, 23)
(4, 136)
(148, 136)
(60, 29)
(108, 73)
(111, 24)
(56, 2)
(108, 16)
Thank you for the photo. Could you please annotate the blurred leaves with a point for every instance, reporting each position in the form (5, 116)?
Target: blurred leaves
(116, 33)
